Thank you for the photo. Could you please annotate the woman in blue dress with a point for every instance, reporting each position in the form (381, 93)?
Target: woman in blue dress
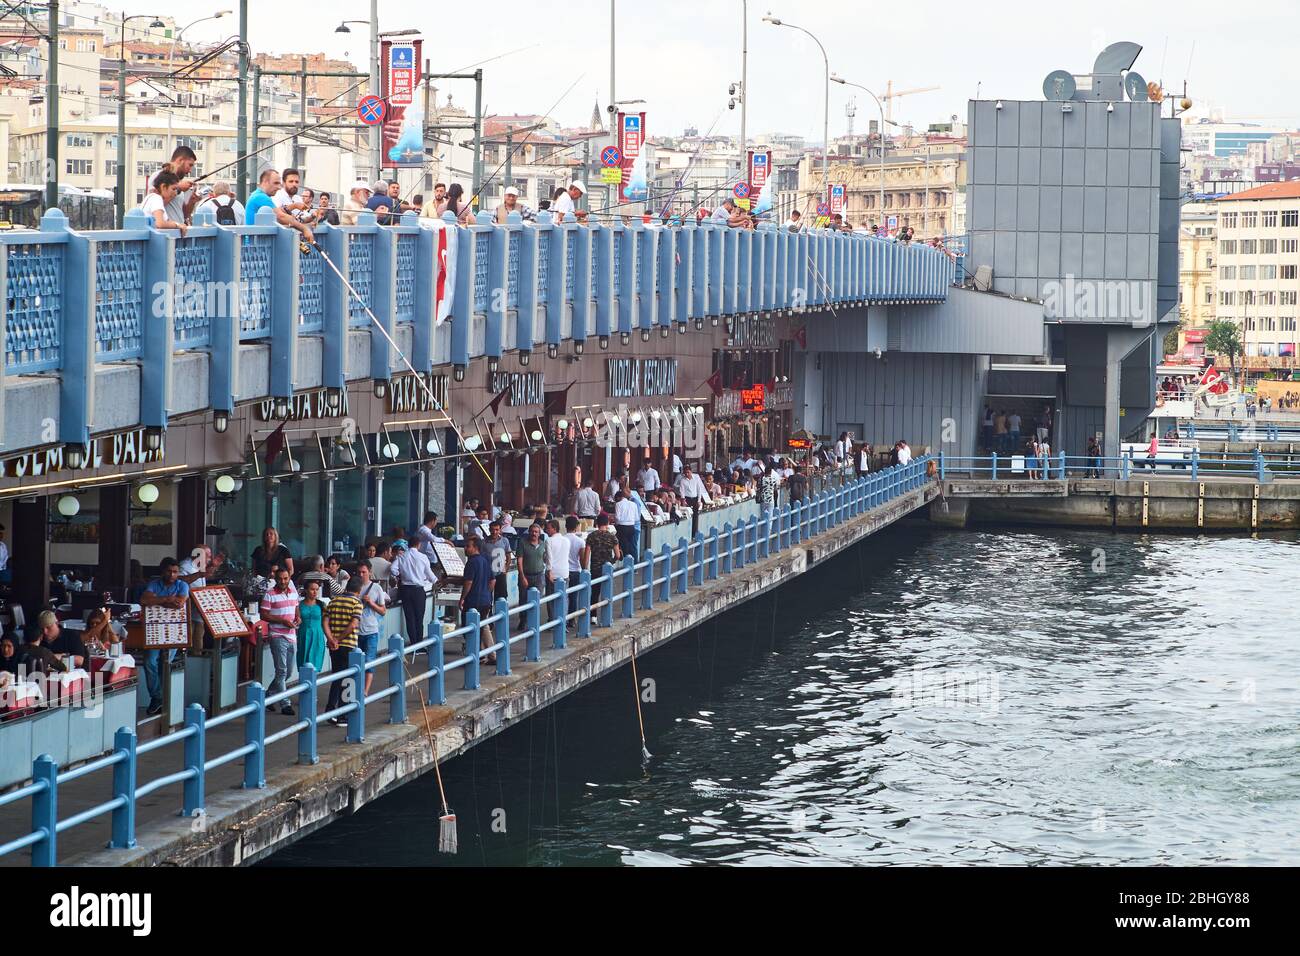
(311, 632)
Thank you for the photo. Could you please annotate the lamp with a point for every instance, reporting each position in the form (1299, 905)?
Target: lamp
(75, 455)
(699, 323)
(458, 372)
(562, 424)
(713, 321)
(645, 335)
(604, 341)
(578, 346)
(225, 484)
(220, 422)
(536, 434)
(681, 327)
(472, 442)
(493, 363)
(552, 349)
(625, 338)
(525, 356)
(281, 408)
(68, 506)
(333, 398)
(663, 331)
(391, 451)
(153, 437)
(381, 387)
(432, 446)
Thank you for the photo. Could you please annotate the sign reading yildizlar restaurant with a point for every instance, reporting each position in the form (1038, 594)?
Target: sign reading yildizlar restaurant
(753, 332)
(634, 377)
(526, 388)
(124, 448)
(406, 394)
(313, 404)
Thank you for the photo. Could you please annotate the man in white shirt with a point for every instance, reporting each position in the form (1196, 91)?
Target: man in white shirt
(648, 478)
(691, 487)
(424, 534)
(627, 523)
(613, 485)
(223, 196)
(577, 550)
(904, 453)
(677, 467)
(557, 561)
(288, 198)
(414, 572)
(586, 504)
(567, 203)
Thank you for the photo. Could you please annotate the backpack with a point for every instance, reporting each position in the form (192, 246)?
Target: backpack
(225, 213)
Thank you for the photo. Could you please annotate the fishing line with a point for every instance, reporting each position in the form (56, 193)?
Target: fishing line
(636, 687)
(402, 355)
(447, 841)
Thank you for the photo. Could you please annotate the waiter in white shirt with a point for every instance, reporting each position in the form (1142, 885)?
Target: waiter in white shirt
(557, 561)
(648, 478)
(691, 487)
(414, 572)
(627, 523)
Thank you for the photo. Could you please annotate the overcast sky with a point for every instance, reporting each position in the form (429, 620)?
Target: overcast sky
(680, 55)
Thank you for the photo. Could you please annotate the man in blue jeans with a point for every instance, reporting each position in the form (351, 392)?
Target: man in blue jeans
(170, 591)
(374, 604)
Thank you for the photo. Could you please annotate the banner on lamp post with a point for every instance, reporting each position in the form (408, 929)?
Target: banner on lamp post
(399, 76)
(836, 198)
(631, 140)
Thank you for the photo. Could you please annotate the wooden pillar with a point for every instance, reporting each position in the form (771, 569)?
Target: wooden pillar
(191, 514)
(115, 536)
(29, 555)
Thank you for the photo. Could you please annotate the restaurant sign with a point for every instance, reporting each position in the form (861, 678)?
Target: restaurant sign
(634, 378)
(753, 332)
(313, 404)
(407, 394)
(124, 448)
(526, 388)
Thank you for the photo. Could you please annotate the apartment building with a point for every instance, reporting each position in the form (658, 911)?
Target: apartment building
(1197, 253)
(1258, 264)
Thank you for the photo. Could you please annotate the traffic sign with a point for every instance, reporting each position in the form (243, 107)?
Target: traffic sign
(741, 190)
(823, 209)
(371, 109)
(612, 175)
(611, 155)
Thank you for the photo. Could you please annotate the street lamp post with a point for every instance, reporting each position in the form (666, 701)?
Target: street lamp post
(826, 106)
(171, 59)
(839, 79)
(121, 107)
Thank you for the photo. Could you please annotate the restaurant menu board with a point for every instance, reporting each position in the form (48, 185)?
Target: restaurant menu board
(453, 565)
(166, 626)
(220, 612)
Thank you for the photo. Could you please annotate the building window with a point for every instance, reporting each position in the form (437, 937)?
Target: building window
(1287, 297)
(1268, 272)
(1227, 272)
(1268, 219)
(1286, 323)
(1290, 218)
(1227, 298)
(110, 167)
(1268, 247)
(1249, 220)
(1228, 220)
(1288, 272)
(1227, 247)
(146, 168)
(78, 139)
(78, 167)
(148, 142)
(193, 142)
(1209, 297)
(1266, 323)
(1248, 247)
(1247, 272)
(1290, 245)
(1266, 298)
(1250, 324)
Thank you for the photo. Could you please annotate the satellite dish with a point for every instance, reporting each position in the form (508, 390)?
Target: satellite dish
(1117, 57)
(1059, 86)
(1135, 87)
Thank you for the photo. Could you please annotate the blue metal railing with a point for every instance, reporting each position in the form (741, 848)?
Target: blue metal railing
(614, 593)
(1188, 465)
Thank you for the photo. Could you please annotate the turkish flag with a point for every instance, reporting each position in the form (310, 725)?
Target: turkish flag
(714, 382)
(274, 445)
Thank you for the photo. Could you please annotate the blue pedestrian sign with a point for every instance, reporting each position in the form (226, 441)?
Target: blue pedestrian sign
(371, 109)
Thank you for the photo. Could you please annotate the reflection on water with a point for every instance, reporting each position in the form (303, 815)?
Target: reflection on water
(933, 697)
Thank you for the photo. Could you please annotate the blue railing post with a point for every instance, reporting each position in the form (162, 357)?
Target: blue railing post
(1232, 431)
(737, 547)
(560, 633)
(255, 735)
(666, 555)
(356, 716)
(993, 464)
(501, 635)
(1062, 460)
(685, 547)
(1259, 464)
(533, 647)
(124, 789)
(584, 603)
(307, 711)
(1125, 462)
(726, 542)
(1196, 463)
(607, 595)
(629, 583)
(396, 678)
(943, 466)
(195, 745)
(648, 595)
(472, 645)
(45, 810)
(698, 573)
(437, 664)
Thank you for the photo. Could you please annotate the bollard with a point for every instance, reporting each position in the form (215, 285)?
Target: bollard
(192, 792)
(307, 711)
(502, 635)
(629, 583)
(123, 837)
(255, 734)
(396, 702)
(561, 631)
(607, 595)
(356, 716)
(45, 810)
(584, 603)
(471, 649)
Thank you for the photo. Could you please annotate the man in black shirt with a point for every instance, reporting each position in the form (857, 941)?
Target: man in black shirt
(66, 645)
(35, 656)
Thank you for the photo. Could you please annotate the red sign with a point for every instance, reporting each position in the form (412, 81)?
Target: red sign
(1195, 336)
(835, 195)
(760, 167)
(631, 137)
(398, 89)
(371, 110)
(753, 399)
(741, 190)
(799, 444)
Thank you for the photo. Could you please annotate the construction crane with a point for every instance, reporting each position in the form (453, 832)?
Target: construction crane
(890, 95)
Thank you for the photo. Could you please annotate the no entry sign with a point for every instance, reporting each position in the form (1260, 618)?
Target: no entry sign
(741, 190)
(611, 156)
(371, 109)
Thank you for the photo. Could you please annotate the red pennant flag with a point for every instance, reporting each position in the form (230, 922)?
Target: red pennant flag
(274, 445)
(801, 336)
(714, 382)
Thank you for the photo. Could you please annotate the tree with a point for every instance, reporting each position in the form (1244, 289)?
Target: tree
(1224, 338)
(1170, 343)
